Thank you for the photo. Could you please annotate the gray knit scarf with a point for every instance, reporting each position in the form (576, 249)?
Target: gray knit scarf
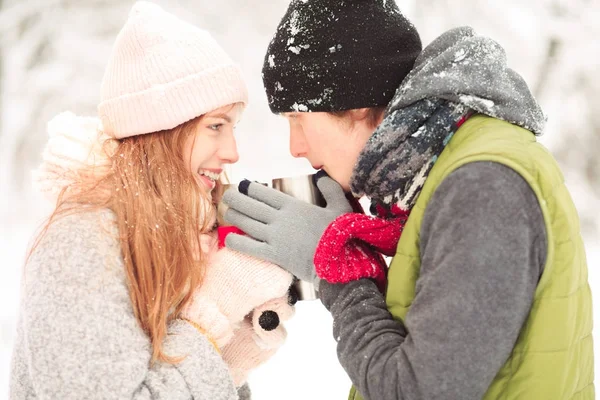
(457, 75)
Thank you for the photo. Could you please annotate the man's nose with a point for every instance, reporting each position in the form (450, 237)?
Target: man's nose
(298, 145)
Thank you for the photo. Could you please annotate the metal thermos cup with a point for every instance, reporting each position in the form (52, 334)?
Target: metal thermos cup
(302, 188)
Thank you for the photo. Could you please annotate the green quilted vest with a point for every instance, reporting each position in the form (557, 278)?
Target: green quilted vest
(553, 356)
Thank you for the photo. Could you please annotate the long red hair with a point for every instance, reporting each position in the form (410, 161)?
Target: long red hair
(160, 212)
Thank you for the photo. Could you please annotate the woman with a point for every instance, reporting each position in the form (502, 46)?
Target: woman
(125, 294)
(487, 294)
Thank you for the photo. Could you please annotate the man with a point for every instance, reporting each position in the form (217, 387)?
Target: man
(487, 293)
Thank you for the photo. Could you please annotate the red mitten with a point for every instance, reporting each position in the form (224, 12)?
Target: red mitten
(346, 251)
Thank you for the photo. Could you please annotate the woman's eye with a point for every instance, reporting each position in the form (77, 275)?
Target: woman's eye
(215, 127)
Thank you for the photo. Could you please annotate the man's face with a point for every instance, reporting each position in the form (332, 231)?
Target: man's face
(328, 142)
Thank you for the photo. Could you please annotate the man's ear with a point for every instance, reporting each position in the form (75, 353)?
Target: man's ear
(359, 114)
(373, 116)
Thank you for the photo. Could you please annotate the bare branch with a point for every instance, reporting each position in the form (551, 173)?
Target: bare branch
(549, 62)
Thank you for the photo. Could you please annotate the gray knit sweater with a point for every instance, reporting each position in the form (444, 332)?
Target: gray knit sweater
(78, 338)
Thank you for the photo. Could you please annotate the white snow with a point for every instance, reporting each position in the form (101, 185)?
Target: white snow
(324, 96)
(297, 49)
(473, 100)
(460, 55)
(294, 24)
(299, 107)
(335, 48)
(419, 132)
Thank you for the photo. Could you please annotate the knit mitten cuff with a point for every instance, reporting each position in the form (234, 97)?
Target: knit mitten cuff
(342, 257)
(209, 317)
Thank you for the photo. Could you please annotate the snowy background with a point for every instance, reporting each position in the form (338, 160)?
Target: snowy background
(52, 57)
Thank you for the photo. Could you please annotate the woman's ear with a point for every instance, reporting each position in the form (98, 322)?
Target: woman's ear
(209, 243)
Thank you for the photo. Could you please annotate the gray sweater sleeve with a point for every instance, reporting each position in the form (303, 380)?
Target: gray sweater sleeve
(483, 247)
(81, 339)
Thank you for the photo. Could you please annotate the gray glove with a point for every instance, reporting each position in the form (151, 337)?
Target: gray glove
(283, 229)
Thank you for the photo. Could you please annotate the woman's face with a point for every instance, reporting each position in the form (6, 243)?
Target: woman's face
(213, 144)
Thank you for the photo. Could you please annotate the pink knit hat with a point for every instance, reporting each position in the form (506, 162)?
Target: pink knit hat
(163, 72)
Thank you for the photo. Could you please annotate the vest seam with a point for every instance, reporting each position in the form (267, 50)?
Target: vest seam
(405, 255)
(575, 342)
(582, 389)
(577, 289)
(508, 381)
(569, 239)
(551, 246)
(555, 187)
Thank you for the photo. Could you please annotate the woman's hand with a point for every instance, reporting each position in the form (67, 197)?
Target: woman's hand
(234, 284)
(258, 338)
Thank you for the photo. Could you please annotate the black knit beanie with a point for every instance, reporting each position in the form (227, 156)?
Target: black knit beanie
(335, 55)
